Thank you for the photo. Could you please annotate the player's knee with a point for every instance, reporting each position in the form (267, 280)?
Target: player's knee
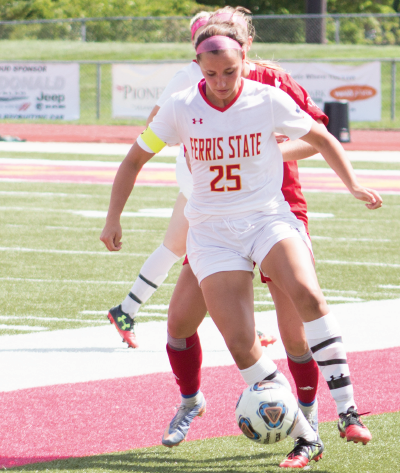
(311, 300)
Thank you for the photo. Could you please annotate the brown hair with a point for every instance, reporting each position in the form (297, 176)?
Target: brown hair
(244, 13)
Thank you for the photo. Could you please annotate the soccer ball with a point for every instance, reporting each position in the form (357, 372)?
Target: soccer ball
(266, 412)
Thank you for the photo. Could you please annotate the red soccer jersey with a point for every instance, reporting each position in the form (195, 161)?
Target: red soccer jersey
(291, 188)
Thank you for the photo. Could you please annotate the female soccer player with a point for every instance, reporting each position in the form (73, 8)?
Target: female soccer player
(186, 363)
(237, 213)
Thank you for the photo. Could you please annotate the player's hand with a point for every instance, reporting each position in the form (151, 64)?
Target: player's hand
(368, 195)
(111, 236)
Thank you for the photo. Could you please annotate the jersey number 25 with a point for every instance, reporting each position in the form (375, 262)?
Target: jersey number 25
(229, 177)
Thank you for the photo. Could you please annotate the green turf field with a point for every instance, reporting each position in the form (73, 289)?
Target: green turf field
(113, 51)
(239, 455)
(53, 266)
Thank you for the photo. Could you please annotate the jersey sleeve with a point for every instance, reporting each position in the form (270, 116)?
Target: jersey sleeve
(162, 130)
(179, 82)
(300, 96)
(288, 117)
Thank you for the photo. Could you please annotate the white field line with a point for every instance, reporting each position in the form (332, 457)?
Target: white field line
(343, 299)
(69, 281)
(389, 286)
(53, 319)
(86, 164)
(359, 263)
(155, 213)
(22, 327)
(69, 252)
(45, 194)
(79, 229)
(263, 303)
(361, 172)
(316, 237)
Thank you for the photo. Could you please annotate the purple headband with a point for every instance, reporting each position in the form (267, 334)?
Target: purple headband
(198, 24)
(215, 43)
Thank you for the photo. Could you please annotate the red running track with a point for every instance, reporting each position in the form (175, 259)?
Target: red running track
(361, 140)
(75, 420)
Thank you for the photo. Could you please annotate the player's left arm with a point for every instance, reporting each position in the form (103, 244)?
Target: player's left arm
(334, 154)
(297, 149)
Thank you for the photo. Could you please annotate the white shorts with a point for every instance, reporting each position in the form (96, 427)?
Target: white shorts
(184, 178)
(232, 244)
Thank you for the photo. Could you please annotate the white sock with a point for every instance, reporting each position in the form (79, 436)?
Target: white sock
(193, 400)
(152, 274)
(325, 341)
(260, 370)
(303, 429)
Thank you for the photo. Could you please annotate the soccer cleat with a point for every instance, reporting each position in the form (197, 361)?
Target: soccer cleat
(311, 414)
(266, 339)
(351, 427)
(303, 453)
(177, 429)
(125, 324)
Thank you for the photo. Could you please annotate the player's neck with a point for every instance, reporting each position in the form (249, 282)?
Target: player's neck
(218, 101)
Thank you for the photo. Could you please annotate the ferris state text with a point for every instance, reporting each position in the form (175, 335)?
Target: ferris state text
(240, 146)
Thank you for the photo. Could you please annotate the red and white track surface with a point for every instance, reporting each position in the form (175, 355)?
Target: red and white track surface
(77, 392)
(163, 174)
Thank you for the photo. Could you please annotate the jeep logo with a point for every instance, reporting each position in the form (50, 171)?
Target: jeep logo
(51, 98)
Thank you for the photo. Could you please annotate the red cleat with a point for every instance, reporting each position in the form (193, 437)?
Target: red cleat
(303, 453)
(124, 324)
(351, 428)
(266, 339)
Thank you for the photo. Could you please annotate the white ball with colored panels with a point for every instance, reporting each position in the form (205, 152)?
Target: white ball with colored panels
(266, 412)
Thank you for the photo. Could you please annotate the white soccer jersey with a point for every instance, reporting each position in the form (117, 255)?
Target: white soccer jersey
(235, 160)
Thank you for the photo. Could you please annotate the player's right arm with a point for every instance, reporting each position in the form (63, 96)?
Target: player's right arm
(121, 190)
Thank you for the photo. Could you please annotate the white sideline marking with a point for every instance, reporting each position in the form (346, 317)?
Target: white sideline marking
(319, 215)
(360, 263)
(389, 286)
(343, 299)
(22, 327)
(72, 281)
(157, 213)
(45, 194)
(263, 303)
(69, 252)
(96, 353)
(316, 237)
(103, 149)
(54, 319)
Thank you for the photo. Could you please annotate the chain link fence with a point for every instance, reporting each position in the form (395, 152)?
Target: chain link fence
(96, 89)
(380, 29)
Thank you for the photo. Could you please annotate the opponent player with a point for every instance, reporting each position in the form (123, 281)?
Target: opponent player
(238, 214)
(187, 362)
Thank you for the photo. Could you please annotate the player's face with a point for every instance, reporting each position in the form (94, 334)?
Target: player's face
(222, 73)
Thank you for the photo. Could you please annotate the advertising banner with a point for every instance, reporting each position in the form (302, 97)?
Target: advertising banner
(359, 85)
(136, 87)
(40, 90)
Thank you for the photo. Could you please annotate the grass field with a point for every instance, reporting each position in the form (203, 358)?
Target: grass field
(239, 455)
(53, 266)
(72, 51)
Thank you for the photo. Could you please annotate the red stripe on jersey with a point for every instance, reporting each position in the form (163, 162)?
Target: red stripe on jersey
(202, 89)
